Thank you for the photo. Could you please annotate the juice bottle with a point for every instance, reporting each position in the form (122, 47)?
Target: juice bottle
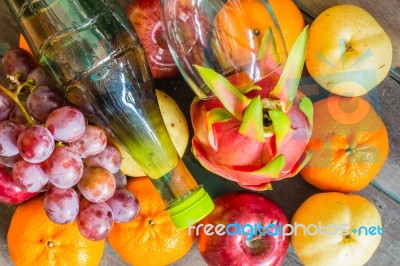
(90, 50)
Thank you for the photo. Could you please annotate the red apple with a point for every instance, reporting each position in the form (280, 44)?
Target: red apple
(9, 192)
(243, 212)
(145, 16)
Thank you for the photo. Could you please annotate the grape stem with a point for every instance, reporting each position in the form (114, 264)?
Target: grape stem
(15, 98)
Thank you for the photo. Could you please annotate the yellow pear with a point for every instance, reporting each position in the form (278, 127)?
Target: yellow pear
(332, 228)
(348, 52)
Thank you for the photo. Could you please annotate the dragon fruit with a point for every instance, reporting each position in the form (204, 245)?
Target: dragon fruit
(257, 134)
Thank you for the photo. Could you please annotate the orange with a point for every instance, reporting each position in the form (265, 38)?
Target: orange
(151, 238)
(33, 239)
(290, 20)
(240, 26)
(23, 44)
(349, 145)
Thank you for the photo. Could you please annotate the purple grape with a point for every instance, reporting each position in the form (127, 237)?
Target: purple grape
(124, 205)
(9, 161)
(61, 205)
(40, 78)
(67, 124)
(6, 106)
(120, 179)
(110, 158)
(17, 115)
(64, 167)
(92, 142)
(29, 176)
(35, 144)
(97, 184)
(18, 61)
(95, 220)
(9, 133)
(42, 101)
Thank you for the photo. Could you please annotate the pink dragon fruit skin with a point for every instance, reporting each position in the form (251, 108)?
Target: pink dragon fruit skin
(238, 157)
(253, 164)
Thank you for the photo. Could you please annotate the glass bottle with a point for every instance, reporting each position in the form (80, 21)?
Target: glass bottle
(93, 54)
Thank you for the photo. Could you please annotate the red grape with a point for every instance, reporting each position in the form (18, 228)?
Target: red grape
(66, 123)
(29, 176)
(40, 78)
(97, 184)
(95, 220)
(110, 158)
(17, 115)
(35, 144)
(124, 205)
(18, 61)
(61, 205)
(6, 106)
(9, 133)
(64, 167)
(42, 101)
(92, 142)
(9, 161)
(120, 179)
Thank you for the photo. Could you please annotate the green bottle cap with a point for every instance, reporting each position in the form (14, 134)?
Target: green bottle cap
(192, 209)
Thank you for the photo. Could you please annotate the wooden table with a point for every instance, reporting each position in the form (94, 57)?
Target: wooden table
(384, 191)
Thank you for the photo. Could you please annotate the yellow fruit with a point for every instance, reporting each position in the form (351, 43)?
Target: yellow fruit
(357, 224)
(177, 128)
(348, 52)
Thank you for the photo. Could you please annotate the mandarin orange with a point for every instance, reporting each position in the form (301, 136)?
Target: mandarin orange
(33, 239)
(239, 29)
(349, 144)
(23, 44)
(151, 238)
(290, 20)
(240, 39)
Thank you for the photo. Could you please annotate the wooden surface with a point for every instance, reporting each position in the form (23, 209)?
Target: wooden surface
(384, 191)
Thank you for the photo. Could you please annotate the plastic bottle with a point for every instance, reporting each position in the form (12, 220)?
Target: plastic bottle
(94, 56)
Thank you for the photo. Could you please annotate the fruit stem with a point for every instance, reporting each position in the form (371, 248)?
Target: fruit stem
(14, 97)
(256, 237)
(50, 244)
(150, 222)
(349, 150)
(59, 144)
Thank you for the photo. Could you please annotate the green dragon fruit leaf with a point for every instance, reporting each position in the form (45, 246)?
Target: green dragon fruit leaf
(263, 187)
(252, 123)
(250, 88)
(281, 123)
(307, 108)
(233, 100)
(213, 116)
(267, 186)
(268, 46)
(286, 87)
(274, 167)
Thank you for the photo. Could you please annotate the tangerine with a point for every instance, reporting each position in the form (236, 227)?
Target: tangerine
(33, 239)
(239, 40)
(23, 44)
(349, 144)
(239, 28)
(290, 20)
(151, 238)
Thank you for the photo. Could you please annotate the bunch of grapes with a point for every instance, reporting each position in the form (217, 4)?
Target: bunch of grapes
(51, 148)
